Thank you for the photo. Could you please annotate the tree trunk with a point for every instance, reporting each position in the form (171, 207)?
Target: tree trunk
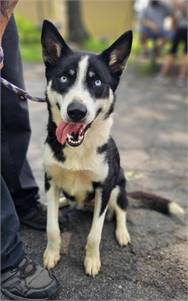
(76, 30)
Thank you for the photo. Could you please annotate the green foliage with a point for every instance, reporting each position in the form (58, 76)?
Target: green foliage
(31, 52)
(136, 45)
(29, 36)
(28, 32)
(95, 45)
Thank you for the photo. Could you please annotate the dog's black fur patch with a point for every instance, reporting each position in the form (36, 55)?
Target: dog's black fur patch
(51, 139)
(115, 176)
(103, 148)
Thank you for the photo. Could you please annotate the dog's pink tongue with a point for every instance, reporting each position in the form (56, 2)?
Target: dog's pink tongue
(65, 129)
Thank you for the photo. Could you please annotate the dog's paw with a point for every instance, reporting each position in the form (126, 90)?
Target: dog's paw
(92, 265)
(123, 237)
(50, 258)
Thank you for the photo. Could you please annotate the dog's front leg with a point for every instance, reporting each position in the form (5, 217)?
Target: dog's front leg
(52, 252)
(92, 261)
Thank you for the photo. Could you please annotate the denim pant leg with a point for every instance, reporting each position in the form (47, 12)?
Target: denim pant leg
(15, 128)
(11, 246)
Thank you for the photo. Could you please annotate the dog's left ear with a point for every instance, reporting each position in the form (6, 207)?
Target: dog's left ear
(53, 45)
(117, 54)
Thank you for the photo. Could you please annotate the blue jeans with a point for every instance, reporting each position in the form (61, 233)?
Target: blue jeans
(11, 246)
(162, 33)
(15, 129)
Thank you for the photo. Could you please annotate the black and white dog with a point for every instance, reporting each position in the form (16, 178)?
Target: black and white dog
(81, 159)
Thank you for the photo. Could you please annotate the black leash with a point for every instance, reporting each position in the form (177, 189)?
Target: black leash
(22, 94)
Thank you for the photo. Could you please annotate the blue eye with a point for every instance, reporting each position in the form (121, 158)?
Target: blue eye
(98, 82)
(63, 79)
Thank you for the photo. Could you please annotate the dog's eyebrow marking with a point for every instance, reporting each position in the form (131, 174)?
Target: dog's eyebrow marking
(71, 72)
(91, 73)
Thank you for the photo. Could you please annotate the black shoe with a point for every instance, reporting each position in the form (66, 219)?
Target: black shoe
(35, 218)
(28, 281)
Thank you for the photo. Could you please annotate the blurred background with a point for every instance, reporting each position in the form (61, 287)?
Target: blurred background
(90, 24)
(160, 30)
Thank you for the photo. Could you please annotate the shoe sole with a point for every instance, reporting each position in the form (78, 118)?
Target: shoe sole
(11, 296)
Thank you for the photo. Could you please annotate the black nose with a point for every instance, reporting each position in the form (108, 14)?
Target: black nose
(76, 111)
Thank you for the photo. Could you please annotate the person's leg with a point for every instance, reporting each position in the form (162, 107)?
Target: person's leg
(11, 246)
(162, 37)
(183, 68)
(143, 41)
(20, 276)
(15, 137)
(15, 127)
(167, 65)
(170, 59)
(145, 35)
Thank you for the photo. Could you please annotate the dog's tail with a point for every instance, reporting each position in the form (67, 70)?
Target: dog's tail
(157, 203)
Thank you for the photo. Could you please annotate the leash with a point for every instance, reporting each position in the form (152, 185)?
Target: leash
(22, 94)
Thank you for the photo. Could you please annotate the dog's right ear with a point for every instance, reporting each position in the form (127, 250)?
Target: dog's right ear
(53, 45)
(117, 54)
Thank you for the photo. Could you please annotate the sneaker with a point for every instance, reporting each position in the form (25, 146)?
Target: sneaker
(28, 281)
(36, 218)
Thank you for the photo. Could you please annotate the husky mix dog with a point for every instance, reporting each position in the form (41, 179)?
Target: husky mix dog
(81, 158)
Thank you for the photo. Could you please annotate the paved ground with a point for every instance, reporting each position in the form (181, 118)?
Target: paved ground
(150, 129)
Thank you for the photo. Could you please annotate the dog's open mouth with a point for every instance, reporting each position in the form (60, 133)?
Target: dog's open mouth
(72, 133)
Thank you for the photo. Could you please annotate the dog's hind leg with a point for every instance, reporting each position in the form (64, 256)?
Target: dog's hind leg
(118, 203)
(52, 253)
(92, 261)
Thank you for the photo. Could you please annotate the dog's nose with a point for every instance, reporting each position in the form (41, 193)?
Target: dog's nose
(76, 111)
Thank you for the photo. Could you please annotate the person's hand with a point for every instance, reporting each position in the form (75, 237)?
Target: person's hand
(6, 10)
(151, 25)
(154, 27)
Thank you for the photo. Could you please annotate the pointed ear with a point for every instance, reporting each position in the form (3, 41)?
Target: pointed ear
(117, 54)
(53, 45)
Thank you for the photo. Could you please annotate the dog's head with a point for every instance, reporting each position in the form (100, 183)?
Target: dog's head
(81, 86)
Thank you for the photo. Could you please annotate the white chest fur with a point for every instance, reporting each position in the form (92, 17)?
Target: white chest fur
(83, 165)
(77, 174)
